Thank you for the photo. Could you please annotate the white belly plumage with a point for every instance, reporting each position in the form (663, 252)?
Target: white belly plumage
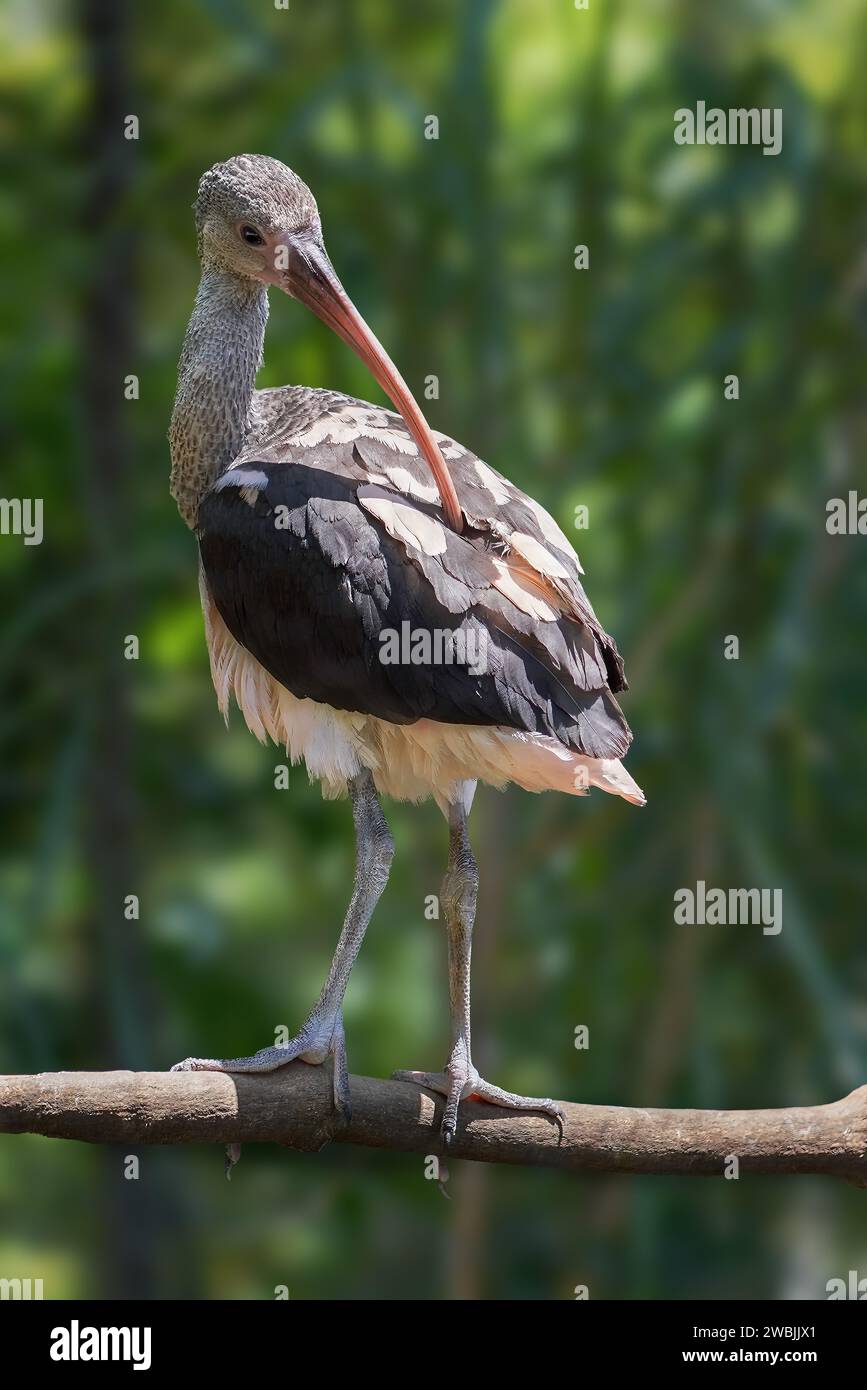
(409, 762)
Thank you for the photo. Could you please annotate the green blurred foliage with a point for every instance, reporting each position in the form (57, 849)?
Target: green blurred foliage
(707, 518)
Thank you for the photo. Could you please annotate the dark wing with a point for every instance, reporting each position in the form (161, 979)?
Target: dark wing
(372, 443)
(357, 596)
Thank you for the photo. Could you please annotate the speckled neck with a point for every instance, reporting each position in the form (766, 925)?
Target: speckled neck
(221, 355)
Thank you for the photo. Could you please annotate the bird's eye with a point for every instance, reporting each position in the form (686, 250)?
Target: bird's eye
(252, 236)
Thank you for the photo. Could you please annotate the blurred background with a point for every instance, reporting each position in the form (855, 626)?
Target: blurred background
(707, 519)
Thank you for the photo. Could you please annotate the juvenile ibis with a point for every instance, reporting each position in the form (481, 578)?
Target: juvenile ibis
(378, 600)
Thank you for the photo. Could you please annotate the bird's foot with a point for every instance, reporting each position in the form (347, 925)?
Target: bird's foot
(460, 1081)
(320, 1037)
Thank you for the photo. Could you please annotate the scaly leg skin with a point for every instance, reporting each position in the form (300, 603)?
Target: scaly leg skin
(460, 1079)
(322, 1034)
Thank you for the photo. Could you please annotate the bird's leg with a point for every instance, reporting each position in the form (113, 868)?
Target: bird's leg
(322, 1033)
(460, 1079)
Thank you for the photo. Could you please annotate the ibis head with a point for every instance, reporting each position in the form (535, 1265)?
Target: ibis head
(258, 220)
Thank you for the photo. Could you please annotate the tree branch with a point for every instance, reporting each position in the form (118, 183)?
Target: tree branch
(293, 1107)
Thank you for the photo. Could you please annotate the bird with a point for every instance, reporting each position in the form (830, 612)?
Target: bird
(377, 599)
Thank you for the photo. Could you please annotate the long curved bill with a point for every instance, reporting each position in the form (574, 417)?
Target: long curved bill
(309, 277)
